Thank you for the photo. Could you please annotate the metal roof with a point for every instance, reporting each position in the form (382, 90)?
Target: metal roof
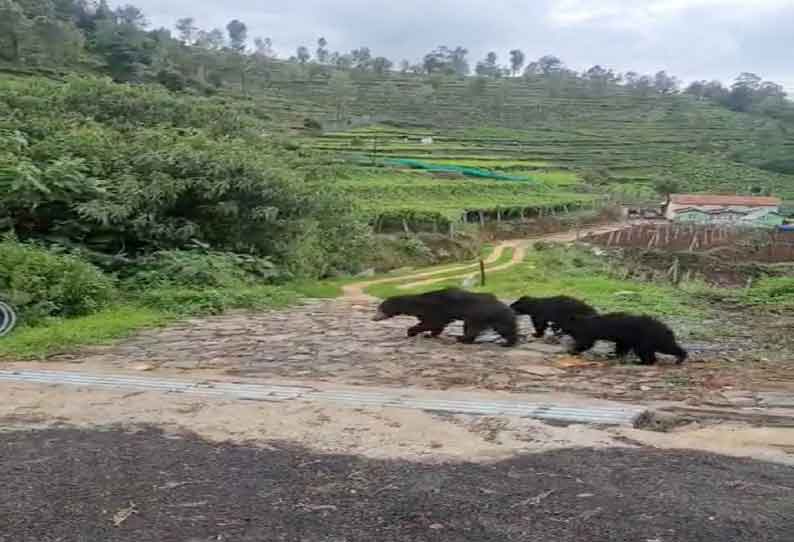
(705, 199)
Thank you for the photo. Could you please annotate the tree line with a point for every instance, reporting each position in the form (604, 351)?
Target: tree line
(54, 32)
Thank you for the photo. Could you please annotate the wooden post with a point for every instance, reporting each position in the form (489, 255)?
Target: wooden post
(482, 219)
(482, 273)
(674, 271)
(693, 245)
(405, 227)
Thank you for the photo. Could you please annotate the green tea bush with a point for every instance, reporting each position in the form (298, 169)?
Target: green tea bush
(197, 269)
(39, 282)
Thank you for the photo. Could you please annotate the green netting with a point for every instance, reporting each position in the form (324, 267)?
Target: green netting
(459, 170)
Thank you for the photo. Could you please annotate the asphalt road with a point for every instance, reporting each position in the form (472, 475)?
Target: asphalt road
(107, 486)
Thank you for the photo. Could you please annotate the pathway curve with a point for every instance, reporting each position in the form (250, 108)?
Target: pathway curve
(357, 291)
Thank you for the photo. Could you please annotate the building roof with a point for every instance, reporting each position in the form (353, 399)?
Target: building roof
(705, 199)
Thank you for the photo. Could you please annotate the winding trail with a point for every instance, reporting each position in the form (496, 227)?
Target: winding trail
(356, 291)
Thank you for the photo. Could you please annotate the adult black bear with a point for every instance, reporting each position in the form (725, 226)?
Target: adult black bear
(435, 310)
(551, 310)
(642, 334)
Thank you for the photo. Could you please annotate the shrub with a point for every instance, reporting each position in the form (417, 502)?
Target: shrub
(194, 301)
(196, 269)
(41, 282)
(773, 291)
(131, 170)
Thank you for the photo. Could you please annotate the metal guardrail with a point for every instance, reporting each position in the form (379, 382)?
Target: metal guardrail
(8, 318)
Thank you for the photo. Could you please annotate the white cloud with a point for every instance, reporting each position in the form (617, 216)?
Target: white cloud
(689, 38)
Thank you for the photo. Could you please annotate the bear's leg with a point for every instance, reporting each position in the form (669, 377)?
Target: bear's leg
(540, 326)
(647, 355)
(621, 350)
(508, 331)
(421, 327)
(582, 344)
(436, 328)
(676, 351)
(471, 330)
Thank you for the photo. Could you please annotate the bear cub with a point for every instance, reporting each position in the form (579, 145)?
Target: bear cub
(435, 310)
(644, 335)
(551, 310)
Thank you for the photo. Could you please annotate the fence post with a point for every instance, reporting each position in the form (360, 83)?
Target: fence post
(482, 273)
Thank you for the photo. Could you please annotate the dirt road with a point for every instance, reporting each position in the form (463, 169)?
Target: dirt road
(356, 291)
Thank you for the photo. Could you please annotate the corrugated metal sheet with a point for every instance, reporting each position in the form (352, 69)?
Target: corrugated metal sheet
(706, 199)
(603, 415)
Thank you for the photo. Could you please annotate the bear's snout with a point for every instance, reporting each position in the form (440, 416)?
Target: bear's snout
(380, 315)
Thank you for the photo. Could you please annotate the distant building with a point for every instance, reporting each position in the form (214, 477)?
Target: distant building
(739, 210)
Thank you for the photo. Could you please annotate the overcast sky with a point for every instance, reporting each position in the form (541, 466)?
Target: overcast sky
(692, 39)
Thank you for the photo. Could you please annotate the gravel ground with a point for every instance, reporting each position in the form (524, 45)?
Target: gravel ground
(67, 484)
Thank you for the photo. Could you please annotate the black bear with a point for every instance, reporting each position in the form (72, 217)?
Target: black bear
(642, 334)
(435, 310)
(551, 310)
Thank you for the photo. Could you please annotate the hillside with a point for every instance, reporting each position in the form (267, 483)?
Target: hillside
(510, 124)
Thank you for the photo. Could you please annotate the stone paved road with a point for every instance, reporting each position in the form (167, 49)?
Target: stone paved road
(336, 341)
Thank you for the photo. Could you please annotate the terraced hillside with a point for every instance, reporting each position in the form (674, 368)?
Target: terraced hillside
(528, 124)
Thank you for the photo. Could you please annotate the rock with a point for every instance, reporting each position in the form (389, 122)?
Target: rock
(144, 367)
(436, 526)
(645, 388)
(627, 294)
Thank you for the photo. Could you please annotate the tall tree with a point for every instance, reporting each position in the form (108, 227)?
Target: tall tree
(131, 15)
(302, 54)
(549, 64)
(361, 58)
(13, 25)
(57, 40)
(664, 83)
(263, 47)
(125, 48)
(322, 51)
(238, 35)
(212, 40)
(458, 62)
(186, 26)
(381, 65)
(342, 61)
(488, 67)
(517, 59)
(343, 91)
